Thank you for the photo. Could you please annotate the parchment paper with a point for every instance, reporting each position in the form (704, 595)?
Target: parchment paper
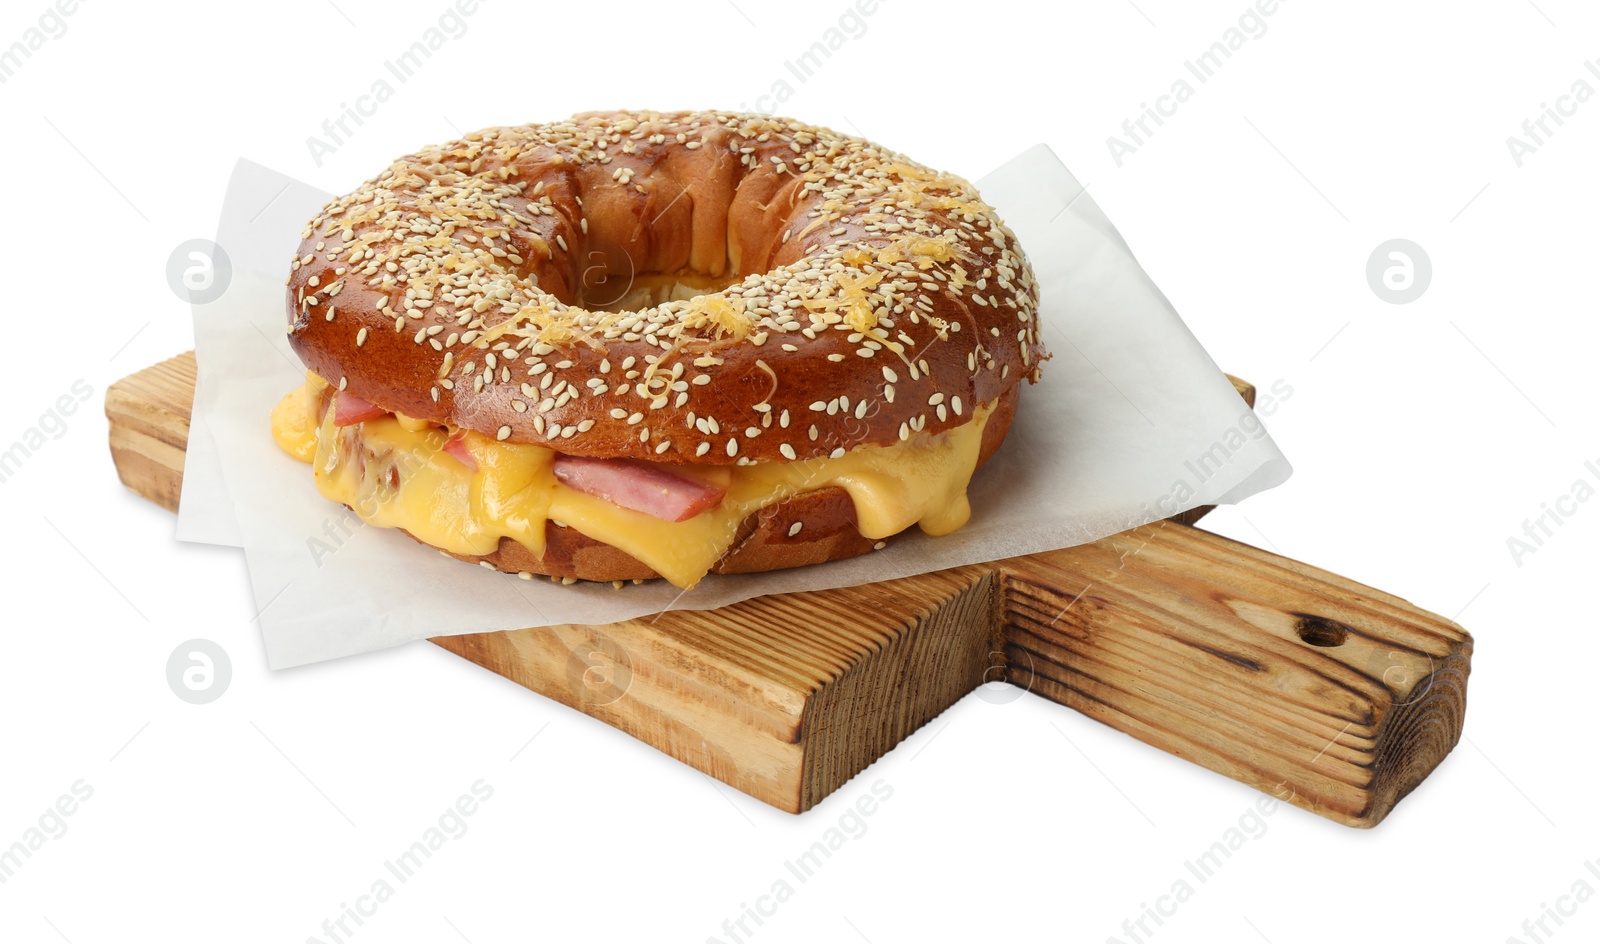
(1131, 423)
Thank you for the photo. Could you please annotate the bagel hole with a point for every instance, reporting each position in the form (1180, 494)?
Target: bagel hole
(607, 289)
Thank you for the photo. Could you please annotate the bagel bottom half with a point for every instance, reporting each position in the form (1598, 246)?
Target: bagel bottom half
(767, 539)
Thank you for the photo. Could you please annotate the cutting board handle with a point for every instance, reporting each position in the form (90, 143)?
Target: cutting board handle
(1313, 688)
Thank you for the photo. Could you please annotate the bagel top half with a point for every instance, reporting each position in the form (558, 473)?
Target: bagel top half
(692, 287)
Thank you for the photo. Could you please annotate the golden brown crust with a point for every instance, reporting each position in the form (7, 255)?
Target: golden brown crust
(767, 539)
(451, 289)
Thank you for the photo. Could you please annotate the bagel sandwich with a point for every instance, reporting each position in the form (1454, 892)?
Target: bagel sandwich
(632, 345)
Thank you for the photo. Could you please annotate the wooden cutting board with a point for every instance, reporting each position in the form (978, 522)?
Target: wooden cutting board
(1321, 691)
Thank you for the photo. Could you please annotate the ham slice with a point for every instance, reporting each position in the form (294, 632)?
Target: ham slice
(640, 486)
(349, 409)
(457, 446)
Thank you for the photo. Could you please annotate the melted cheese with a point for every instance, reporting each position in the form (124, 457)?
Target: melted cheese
(395, 475)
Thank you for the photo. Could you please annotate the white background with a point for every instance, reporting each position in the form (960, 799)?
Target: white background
(1423, 436)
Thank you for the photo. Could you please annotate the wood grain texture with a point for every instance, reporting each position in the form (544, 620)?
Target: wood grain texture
(1332, 695)
(149, 414)
(1326, 693)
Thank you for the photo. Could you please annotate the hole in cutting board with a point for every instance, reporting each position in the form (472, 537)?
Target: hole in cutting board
(1321, 631)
